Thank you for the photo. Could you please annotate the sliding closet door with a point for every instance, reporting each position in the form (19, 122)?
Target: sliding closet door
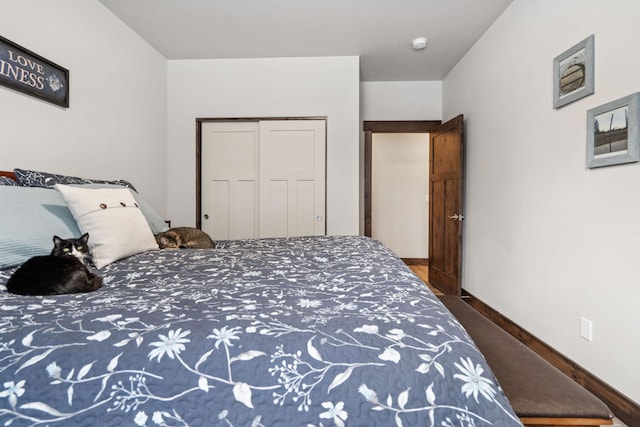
(292, 178)
(262, 178)
(229, 179)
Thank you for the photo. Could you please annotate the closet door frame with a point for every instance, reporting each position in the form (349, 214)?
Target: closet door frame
(200, 121)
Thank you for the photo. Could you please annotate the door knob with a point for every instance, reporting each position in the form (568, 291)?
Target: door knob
(456, 217)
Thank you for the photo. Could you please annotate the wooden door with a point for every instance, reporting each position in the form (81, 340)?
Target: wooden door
(292, 178)
(229, 179)
(445, 206)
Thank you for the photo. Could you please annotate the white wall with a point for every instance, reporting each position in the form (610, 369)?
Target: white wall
(399, 190)
(546, 240)
(420, 100)
(281, 87)
(115, 125)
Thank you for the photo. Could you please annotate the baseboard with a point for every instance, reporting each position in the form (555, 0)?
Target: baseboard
(625, 409)
(416, 261)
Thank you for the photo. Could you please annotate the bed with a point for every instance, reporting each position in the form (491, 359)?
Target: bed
(305, 331)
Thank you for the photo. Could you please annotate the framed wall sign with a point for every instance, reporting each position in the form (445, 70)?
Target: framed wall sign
(573, 73)
(28, 72)
(613, 132)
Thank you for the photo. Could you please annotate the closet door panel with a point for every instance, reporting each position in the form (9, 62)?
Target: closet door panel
(305, 219)
(217, 197)
(230, 156)
(276, 209)
(292, 151)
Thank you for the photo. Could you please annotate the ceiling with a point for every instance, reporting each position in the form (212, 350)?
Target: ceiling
(378, 31)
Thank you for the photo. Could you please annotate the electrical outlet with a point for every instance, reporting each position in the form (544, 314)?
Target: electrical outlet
(586, 329)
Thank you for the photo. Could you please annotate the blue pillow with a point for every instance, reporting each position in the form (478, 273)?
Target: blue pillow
(156, 222)
(5, 180)
(29, 218)
(31, 178)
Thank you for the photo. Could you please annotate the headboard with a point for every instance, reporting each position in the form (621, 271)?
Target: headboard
(8, 174)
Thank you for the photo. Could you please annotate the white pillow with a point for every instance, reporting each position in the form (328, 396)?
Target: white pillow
(116, 226)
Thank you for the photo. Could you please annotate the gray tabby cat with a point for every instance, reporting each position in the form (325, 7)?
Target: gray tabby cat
(184, 238)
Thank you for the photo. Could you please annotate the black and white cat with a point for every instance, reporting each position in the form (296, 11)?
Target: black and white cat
(64, 271)
(76, 247)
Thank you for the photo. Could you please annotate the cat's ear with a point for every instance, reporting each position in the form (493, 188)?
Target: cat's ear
(85, 238)
(166, 241)
(56, 240)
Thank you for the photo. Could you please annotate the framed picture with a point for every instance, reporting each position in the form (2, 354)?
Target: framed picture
(29, 73)
(613, 132)
(573, 73)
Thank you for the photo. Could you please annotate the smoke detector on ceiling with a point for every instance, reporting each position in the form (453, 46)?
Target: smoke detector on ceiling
(419, 43)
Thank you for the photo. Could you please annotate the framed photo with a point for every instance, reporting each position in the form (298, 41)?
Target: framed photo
(29, 73)
(573, 73)
(613, 132)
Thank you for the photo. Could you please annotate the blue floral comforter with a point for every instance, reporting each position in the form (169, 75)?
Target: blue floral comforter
(314, 331)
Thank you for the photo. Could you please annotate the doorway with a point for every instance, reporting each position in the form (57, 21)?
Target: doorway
(445, 193)
(388, 133)
(399, 193)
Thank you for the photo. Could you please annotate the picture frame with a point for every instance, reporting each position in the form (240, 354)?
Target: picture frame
(27, 72)
(613, 132)
(573, 73)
